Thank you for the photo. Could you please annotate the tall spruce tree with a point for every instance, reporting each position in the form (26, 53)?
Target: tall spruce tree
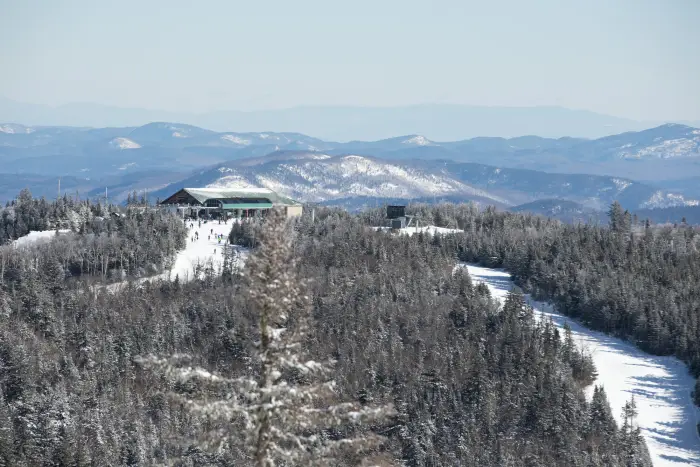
(289, 406)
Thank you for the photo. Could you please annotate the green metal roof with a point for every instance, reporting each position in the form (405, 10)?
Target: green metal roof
(204, 194)
(248, 206)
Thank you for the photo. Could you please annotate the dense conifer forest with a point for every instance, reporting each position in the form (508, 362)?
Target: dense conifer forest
(632, 280)
(470, 383)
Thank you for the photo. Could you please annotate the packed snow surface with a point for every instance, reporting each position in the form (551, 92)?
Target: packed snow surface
(661, 386)
(205, 251)
(37, 236)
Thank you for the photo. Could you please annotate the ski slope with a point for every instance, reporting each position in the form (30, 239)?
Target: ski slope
(661, 385)
(201, 253)
(205, 251)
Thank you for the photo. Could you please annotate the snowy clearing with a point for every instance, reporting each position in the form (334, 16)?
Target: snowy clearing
(661, 385)
(430, 229)
(36, 236)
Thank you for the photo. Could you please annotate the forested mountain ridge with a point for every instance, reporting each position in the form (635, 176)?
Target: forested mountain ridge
(472, 384)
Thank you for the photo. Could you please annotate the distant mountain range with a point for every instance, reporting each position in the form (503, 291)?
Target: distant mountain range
(441, 122)
(670, 151)
(162, 156)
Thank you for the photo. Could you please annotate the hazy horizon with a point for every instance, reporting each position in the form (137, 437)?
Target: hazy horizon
(330, 106)
(632, 60)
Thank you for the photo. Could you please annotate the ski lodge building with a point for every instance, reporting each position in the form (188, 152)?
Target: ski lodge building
(224, 202)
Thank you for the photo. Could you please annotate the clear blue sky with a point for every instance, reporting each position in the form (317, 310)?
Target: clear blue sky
(631, 58)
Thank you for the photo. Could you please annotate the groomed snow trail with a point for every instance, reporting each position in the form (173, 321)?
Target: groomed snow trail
(661, 385)
(203, 251)
(198, 254)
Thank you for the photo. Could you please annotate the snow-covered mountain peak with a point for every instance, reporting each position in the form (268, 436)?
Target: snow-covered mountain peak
(124, 143)
(418, 140)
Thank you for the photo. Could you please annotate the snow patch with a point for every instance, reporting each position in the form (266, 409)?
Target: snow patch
(662, 199)
(426, 229)
(124, 143)
(418, 141)
(429, 229)
(666, 149)
(128, 166)
(37, 236)
(621, 184)
(236, 140)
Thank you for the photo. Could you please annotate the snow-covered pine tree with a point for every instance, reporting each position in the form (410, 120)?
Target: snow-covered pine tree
(290, 411)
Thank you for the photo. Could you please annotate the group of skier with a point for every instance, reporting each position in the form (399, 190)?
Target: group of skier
(218, 237)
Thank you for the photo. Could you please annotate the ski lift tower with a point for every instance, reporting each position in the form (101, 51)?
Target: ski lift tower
(397, 215)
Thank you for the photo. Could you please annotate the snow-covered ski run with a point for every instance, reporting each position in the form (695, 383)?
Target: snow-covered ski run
(203, 250)
(661, 386)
